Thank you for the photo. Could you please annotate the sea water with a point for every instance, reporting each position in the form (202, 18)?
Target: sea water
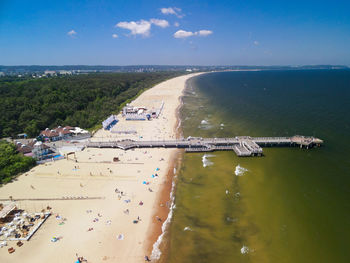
(292, 204)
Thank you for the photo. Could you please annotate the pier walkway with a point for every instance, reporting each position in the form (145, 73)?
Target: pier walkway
(241, 145)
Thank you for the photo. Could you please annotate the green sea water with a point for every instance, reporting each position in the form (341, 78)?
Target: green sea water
(292, 205)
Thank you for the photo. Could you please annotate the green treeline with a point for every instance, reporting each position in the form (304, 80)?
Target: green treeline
(80, 100)
(11, 162)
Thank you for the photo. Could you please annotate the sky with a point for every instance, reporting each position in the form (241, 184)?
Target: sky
(184, 32)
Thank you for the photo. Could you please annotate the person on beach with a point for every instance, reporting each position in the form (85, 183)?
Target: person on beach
(147, 259)
(80, 259)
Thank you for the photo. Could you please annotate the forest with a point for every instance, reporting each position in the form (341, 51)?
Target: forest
(11, 162)
(31, 105)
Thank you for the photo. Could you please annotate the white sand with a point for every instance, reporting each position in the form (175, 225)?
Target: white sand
(98, 176)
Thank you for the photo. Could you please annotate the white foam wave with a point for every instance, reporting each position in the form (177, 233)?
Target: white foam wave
(155, 255)
(239, 171)
(222, 125)
(205, 125)
(206, 162)
(187, 228)
(245, 250)
(229, 219)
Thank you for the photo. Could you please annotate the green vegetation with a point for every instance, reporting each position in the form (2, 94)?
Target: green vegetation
(12, 163)
(32, 105)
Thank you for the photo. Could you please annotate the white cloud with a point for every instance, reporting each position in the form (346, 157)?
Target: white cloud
(176, 24)
(172, 11)
(256, 43)
(141, 27)
(204, 33)
(115, 36)
(71, 33)
(184, 34)
(160, 22)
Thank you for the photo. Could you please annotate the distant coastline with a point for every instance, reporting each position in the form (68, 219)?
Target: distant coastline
(84, 69)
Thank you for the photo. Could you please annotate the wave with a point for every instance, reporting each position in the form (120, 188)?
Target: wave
(206, 162)
(205, 125)
(230, 219)
(187, 228)
(239, 171)
(245, 250)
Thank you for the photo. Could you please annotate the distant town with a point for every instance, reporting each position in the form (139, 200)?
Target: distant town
(54, 71)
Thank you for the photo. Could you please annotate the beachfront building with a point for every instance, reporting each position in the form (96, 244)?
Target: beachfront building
(64, 133)
(110, 122)
(135, 113)
(34, 149)
(128, 109)
(24, 149)
(41, 151)
(51, 135)
(76, 131)
(141, 113)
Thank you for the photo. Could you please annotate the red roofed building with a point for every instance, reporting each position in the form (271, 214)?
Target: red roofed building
(23, 148)
(57, 134)
(50, 134)
(33, 149)
(64, 131)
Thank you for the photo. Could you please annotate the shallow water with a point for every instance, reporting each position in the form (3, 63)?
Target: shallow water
(292, 205)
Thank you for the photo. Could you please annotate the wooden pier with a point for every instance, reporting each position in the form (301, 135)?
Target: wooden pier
(241, 145)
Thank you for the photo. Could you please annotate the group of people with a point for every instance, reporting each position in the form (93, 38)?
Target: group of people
(80, 259)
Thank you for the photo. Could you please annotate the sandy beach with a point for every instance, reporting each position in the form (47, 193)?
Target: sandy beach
(100, 228)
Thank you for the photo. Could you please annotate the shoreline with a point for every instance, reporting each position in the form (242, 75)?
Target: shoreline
(159, 233)
(158, 230)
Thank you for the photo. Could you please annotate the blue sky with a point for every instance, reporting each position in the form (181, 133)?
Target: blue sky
(200, 32)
